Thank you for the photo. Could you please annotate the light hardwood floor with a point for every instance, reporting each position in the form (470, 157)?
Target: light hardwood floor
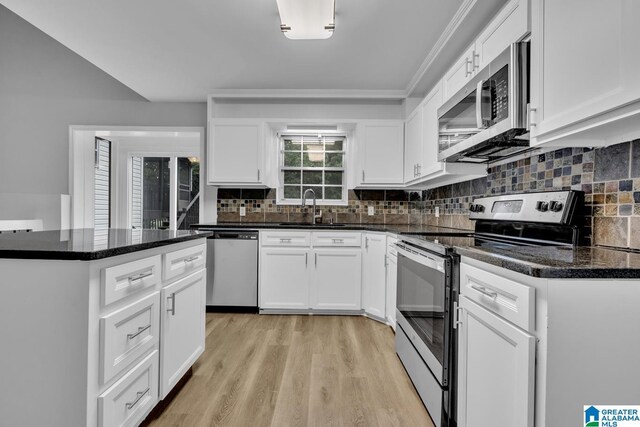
(269, 370)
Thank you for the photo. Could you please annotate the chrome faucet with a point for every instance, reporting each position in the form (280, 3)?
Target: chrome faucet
(304, 203)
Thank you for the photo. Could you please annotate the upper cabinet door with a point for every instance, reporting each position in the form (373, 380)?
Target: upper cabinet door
(429, 117)
(510, 25)
(413, 146)
(234, 154)
(585, 59)
(381, 145)
(460, 73)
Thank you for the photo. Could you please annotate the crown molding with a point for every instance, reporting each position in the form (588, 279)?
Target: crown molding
(462, 12)
(398, 95)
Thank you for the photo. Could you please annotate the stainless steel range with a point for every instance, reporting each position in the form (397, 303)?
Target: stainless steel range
(428, 282)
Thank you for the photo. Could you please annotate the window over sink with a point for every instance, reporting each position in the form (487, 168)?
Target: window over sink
(316, 162)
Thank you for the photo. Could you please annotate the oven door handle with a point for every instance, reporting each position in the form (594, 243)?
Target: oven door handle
(420, 257)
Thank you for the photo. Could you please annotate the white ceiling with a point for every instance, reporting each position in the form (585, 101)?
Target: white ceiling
(169, 50)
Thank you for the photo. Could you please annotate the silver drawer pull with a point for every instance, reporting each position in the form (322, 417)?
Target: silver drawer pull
(285, 240)
(485, 291)
(141, 329)
(191, 258)
(338, 240)
(139, 276)
(140, 395)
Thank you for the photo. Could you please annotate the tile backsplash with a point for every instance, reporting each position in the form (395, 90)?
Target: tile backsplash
(609, 176)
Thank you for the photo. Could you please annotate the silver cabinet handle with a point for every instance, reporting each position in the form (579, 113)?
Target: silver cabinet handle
(191, 258)
(485, 291)
(467, 72)
(172, 310)
(306, 259)
(362, 175)
(285, 240)
(386, 260)
(316, 261)
(366, 243)
(141, 329)
(475, 56)
(140, 395)
(140, 276)
(532, 113)
(258, 174)
(338, 240)
(419, 169)
(456, 315)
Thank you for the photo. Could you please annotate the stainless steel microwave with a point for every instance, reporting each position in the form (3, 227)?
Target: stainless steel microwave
(487, 118)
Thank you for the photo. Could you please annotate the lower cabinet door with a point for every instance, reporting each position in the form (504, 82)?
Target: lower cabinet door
(374, 296)
(284, 278)
(131, 398)
(182, 328)
(496, 370)
(337, 278)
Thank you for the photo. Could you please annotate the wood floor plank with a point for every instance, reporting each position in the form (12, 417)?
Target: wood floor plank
(286, 370)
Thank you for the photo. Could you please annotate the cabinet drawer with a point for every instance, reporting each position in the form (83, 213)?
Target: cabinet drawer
(509, 299)
(129, 400)
(123, 280)
(330, 238)
(184, 261)
(127, 334)
(285, 238)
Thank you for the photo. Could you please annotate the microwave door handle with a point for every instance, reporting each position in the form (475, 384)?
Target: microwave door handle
(479, 121)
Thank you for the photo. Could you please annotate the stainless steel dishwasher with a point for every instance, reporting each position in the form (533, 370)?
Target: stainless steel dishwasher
(232, 271)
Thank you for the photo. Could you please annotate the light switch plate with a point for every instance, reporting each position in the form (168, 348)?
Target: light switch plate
(371, 211)
(243, 211)
(437, 211)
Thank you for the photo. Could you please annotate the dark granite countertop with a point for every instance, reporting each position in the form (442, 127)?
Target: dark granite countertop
(390, 228)
(556, 262)
(88, 244)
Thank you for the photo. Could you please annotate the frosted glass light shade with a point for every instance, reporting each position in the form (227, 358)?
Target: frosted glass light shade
(306, 19)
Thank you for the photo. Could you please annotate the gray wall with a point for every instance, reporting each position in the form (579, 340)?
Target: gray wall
(44, 88)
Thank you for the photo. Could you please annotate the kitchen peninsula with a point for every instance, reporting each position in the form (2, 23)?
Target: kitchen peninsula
(98, 325)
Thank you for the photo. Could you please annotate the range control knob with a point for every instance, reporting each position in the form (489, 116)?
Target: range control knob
(555, 206)
(542, 206)
(479, 208)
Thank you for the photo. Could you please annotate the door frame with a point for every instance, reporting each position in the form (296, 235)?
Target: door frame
(81, 159)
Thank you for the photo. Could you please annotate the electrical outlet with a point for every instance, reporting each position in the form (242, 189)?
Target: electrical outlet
(437, 211)
(243, 211)
(371, 211)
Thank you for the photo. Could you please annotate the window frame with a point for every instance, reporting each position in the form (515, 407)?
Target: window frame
(281, 200)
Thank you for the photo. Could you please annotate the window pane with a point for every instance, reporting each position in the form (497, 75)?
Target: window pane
(292, 192)
(317, 190)
(333, 145)
(333, 178)
(289, 145)
(312, 177)
(312, 160)
(333, 193)
(313, 145)
(292, 159)
(292, 177)
(333, 160)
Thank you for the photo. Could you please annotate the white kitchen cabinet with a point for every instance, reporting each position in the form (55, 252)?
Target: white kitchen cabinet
(380, 148)
(235, 152)
(183, 321)
(336, 279)
(510, 25)
(596, 43)
(284, 278)
(392, 281)
(413, 146)
(496, 365)
(374, 274)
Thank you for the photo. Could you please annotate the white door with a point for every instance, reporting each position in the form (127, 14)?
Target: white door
(459, 74)
(593, 42)
(374, 274)
(382, 148)
(413, 146)
(337, 279)
(429, 117)
(496, 370)
(510, 25)
(182, 328)
(392, 285)
(284, 278)
(235, 153)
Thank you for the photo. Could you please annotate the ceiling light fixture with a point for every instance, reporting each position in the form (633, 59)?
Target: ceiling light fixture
(307, 19)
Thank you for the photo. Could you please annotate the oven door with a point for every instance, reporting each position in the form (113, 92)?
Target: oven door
(423, 301)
